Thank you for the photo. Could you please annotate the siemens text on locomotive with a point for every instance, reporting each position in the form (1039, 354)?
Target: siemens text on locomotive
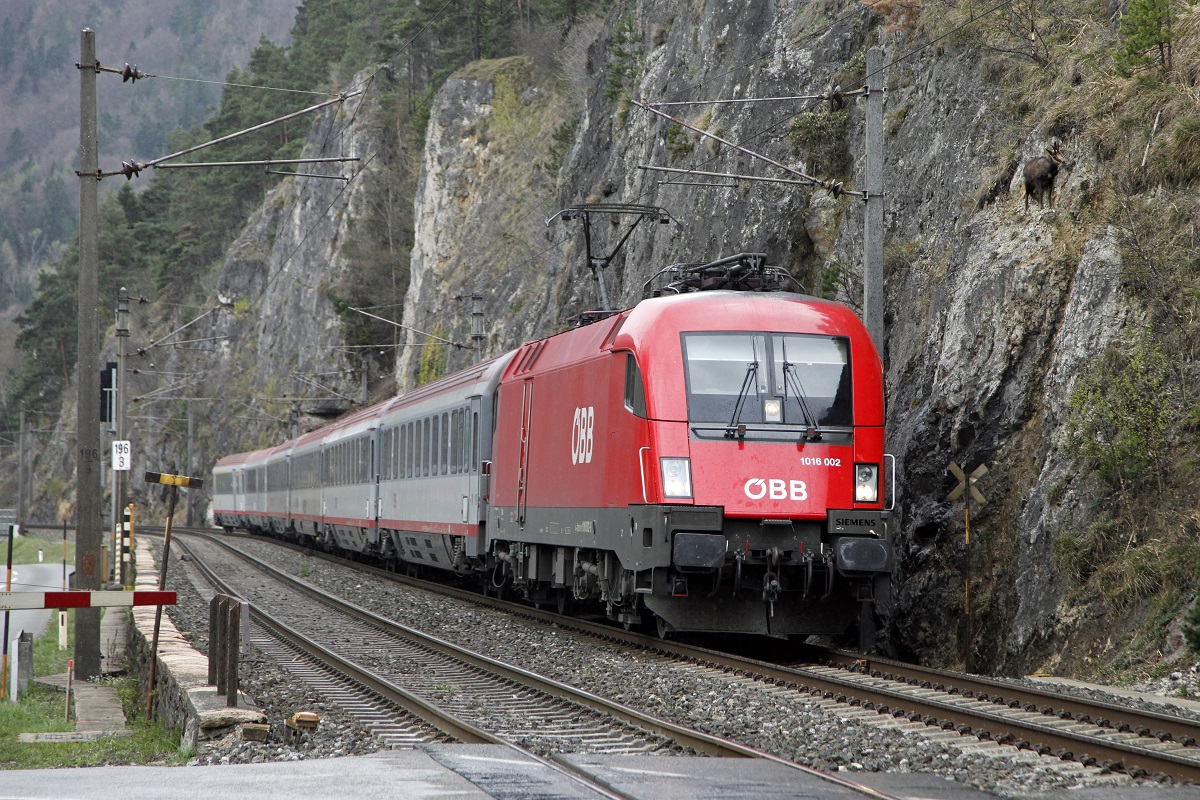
(708, 460)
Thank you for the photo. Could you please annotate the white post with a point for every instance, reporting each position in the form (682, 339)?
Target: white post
(13, 669)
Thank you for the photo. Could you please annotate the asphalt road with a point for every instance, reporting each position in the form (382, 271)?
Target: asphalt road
(33, 578)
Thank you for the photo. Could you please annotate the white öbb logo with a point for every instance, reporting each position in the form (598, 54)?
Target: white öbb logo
(776, 488)
(582, 435)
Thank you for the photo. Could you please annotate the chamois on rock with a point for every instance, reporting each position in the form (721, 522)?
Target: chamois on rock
(1040, 174)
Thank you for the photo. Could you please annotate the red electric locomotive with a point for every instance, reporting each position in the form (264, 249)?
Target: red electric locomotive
(714, 458)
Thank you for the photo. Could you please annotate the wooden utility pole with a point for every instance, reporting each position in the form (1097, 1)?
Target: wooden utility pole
(21, 470)
(873, 219)
(88, 533)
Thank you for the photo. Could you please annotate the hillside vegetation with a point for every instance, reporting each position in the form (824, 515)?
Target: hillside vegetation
(163, 242)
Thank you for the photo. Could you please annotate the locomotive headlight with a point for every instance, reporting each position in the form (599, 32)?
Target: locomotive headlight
(773, 410)
(866, 483)
(676, 477)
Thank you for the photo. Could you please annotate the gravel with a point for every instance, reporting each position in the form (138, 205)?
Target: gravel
(769, 718)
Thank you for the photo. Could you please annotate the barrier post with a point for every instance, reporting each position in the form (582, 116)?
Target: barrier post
(127, 547)
(233, 651)
(12, 534)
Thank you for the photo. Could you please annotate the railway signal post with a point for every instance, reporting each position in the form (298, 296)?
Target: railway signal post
(173, 481)
(966, 489)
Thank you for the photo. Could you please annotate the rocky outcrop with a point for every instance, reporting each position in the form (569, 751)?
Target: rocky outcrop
(990, 311)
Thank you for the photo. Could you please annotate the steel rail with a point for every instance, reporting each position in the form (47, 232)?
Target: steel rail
(1026, 733)
(700, 742)
(1164, 727)
(451, 726)
(696, 740)
(447, 723)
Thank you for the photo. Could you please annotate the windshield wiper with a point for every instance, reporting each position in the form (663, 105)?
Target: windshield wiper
(790, 375)
(751, 379)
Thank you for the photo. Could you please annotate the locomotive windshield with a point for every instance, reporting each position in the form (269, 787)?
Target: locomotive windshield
(768, 379)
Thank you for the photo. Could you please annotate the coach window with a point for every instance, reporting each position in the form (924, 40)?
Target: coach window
(410, 451)
(635, 391)
(414, 451)
(474, 441)
(425, 453)
(387, 454)
(405, 450)
(464, 449)
(455, 421)
(387, 458)
(395, 453)
(445, 457)
(418, 435)
(436, 439)
(464, 420)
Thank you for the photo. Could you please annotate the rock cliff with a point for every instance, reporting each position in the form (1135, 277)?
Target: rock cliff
(990, 309)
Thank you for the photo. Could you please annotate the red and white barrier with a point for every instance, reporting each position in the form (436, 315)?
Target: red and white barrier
(10, 601)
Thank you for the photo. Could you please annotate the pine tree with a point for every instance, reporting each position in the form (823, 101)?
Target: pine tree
(1147, 32)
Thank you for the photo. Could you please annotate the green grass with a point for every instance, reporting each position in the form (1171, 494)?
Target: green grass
(43, 710)
(26, 546)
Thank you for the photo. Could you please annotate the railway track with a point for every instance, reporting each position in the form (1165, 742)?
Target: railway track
(1163, 734)
(1096, 735)
(362, 661)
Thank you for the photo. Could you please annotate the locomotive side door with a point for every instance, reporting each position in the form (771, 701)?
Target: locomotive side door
(523, 464)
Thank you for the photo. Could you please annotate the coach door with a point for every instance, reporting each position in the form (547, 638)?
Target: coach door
(523, 468)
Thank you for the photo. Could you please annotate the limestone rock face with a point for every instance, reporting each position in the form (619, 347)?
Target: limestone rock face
(990, 311)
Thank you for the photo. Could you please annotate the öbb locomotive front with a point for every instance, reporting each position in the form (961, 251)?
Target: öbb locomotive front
(707, 460)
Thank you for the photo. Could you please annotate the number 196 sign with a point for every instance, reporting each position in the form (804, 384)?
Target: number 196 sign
(121, 456)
